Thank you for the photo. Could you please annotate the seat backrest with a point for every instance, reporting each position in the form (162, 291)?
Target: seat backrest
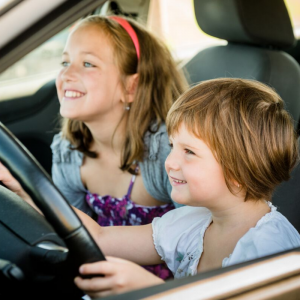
(257, 31)
(287, 197)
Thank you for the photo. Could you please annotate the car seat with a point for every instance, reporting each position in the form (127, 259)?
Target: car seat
(257, 31)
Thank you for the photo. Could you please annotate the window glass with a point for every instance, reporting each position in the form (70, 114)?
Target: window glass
(293, 7)
(35, 69)
(184, 38)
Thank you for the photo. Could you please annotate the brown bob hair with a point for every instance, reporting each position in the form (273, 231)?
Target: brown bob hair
(160, 84)
(247, 128)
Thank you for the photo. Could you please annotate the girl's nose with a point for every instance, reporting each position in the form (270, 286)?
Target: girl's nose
(69, 73)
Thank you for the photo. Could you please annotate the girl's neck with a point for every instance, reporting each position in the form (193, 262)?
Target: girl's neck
(240, 214)
(107, 135)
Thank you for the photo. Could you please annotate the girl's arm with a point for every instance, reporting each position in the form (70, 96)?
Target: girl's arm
(134, 243)
(11, 183)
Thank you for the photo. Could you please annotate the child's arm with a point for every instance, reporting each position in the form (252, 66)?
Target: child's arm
(134, 243)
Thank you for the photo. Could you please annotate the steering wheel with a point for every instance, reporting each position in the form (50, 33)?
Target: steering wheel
(60, 230)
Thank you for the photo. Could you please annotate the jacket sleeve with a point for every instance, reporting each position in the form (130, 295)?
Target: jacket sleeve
(153, 171)
(66, 173)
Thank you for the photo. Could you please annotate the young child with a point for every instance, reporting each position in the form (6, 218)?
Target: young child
(115, 88)
(232, 144)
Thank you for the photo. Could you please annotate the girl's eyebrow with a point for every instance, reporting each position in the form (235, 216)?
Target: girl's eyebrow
(84, 52)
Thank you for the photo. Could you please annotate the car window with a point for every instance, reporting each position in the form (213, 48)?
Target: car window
(293, 7)
(35, 69)
(183, 38)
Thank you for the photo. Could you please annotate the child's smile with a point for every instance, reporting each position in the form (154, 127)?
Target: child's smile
(175, 181)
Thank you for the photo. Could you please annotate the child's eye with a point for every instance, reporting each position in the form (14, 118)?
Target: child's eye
(187, 151)
(88, 65)
(171, 145)
(65, 64)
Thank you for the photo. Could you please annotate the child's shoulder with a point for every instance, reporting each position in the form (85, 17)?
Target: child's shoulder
(272, 234)
(276, 228)
(61, 150)
(184, 218)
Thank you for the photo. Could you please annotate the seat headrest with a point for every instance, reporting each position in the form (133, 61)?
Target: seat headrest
(258, 22)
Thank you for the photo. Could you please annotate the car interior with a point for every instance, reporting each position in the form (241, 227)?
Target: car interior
(261, 45)
(258, 39)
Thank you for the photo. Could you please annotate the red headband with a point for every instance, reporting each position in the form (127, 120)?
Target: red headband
(125, 24)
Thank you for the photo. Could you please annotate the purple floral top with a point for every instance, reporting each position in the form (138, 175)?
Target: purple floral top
(122, 211)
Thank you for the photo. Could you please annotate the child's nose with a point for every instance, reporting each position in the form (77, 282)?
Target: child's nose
(172, 162)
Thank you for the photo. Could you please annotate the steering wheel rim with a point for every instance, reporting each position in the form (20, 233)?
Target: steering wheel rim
(57, 211)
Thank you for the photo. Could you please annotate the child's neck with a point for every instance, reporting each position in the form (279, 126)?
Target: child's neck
(240, 213)
(227, 228)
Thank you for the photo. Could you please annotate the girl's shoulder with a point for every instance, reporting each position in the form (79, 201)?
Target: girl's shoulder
(62, 150)
(156, 141)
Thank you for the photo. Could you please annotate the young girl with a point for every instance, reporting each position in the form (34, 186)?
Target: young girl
(115, 88)
(232, 144)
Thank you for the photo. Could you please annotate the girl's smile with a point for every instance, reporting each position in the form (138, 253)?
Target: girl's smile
(72, 94)
(90, 76)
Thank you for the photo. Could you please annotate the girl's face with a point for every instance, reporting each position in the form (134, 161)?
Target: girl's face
(195, 175)
(88, 84)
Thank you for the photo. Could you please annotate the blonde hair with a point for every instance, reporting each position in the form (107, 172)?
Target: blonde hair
(247, 128)
(160, 84)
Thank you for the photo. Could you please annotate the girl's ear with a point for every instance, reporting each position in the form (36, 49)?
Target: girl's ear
(131, 87)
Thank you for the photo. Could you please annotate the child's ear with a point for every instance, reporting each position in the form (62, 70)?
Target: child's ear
(131, 86)
(235, 183)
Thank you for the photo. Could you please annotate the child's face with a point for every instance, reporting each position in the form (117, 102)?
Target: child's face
(195, 175)
(88, 85)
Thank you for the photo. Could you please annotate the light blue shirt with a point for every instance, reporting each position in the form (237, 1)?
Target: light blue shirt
(178, 238)
(66, 165)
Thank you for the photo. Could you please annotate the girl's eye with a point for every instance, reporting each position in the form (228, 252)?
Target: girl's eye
(171, 145)
(187, 151)
(88, 65)
(65, 64)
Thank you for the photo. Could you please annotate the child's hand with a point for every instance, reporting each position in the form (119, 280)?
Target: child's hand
(11, 183)
(120, 276)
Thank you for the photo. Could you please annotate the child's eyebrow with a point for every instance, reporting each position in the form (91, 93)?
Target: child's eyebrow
(184, 145)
